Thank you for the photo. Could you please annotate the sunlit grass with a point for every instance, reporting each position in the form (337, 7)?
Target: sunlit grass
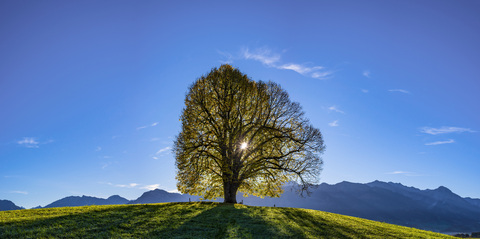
(194, 220)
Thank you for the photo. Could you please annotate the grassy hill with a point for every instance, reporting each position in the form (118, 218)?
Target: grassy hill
(194, 220)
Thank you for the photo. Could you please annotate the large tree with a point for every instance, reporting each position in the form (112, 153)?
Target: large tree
(246, 136)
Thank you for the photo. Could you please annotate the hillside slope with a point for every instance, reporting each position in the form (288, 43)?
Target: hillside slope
(438, 210)
(194, 220)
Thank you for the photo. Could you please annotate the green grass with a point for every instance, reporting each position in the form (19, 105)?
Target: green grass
(194, 220)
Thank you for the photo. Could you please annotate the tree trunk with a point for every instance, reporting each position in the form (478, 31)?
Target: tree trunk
(230, 192)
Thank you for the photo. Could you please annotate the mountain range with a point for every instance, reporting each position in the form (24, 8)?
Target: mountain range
(74, 201)
(438, 210)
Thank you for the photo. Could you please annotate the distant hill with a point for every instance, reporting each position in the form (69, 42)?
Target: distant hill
(473, 201)
(73, 201)
(115, 199)
(159, 195)
(6, 205)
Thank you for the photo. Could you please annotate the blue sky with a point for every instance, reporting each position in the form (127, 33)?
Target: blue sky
(91, 91)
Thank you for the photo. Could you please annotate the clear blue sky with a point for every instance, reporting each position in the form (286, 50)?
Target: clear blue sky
(91, 91)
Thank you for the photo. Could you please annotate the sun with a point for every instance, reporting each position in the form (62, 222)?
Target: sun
(243, 146)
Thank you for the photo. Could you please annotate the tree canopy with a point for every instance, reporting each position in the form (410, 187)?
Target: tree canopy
(239, 135)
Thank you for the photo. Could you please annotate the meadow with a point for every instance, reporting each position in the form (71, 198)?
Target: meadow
(194, 220)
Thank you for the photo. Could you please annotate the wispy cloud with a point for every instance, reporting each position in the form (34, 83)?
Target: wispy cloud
(441, 142)
(151, 187)
(228, 56)
(364, 91)
(163, 150)
(29, 142)
(20, 192)
(146, 126)
(334, 123)
(134, 185)
(130, 185)
(405, 173)
(366, 73)
(322, 75)
(271, 59)
(445, 130)
(98, 149)
(263, 55)
(105, 165)
(334, 108)
(400, 90)
(304, 70)
(399, 172)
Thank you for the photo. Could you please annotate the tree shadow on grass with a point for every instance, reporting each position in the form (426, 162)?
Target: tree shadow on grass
(298, 223)
(238, 221)
(221, 221)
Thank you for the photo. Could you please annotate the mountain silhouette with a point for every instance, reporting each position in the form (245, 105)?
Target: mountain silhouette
(159, 195)
(74, 201)
(6, 205)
